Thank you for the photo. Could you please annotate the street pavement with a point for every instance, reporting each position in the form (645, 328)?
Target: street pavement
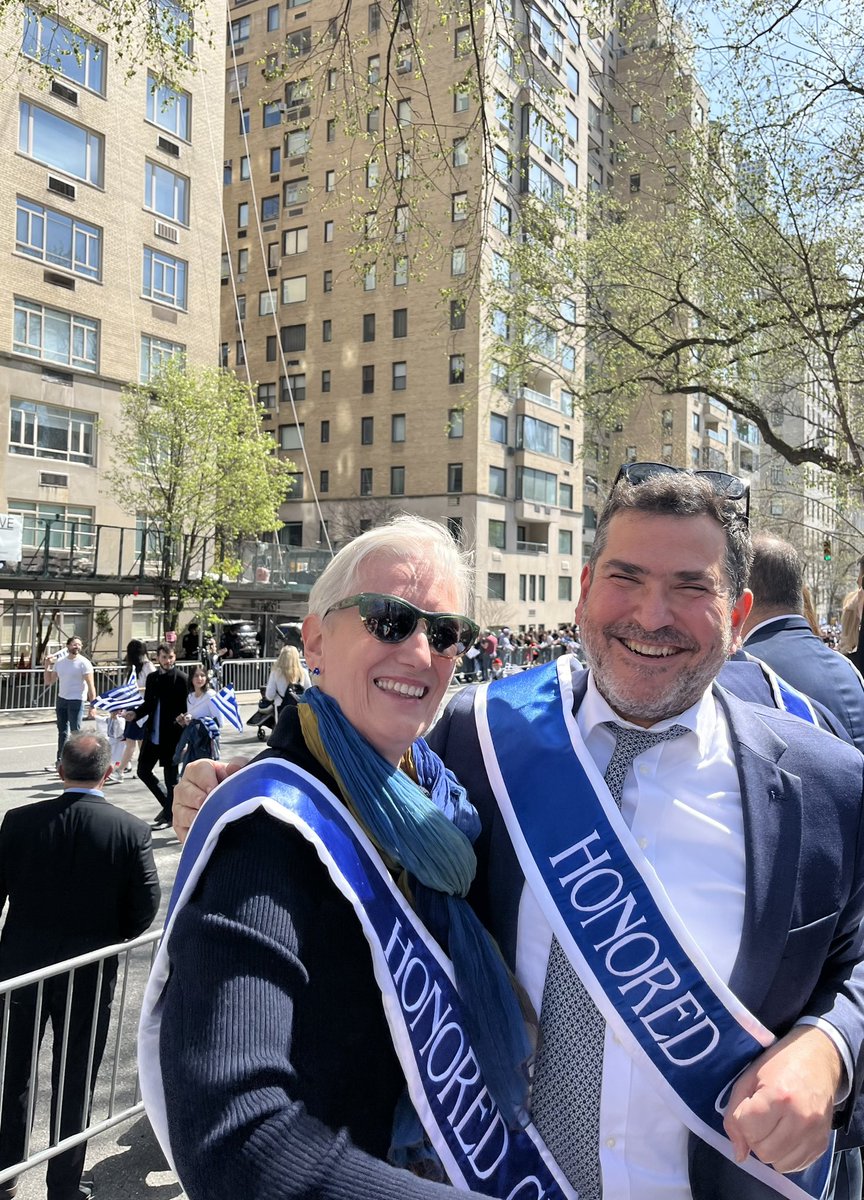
(126, 1162)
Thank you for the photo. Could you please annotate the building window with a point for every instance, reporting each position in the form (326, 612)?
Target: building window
(324, 481)
(498, 428)
(458, 260)
(267, 395)
(565, 541)
(400, 322)
(295, 191)
(271, 114)
(461, 100)
(454, 528)
(43, 431)
(155, 353)
(565, 498)
(457, 368)
(295, 241)
(164, 278)
(367, 431)
(454, 477)
(57, 239)
(295, 486)
(297, 143)
(400, 271)
(460, 152)
(331, 130)
(462, 41)
(459, 206)
(400, 376)
(373, 120)
(269, 208)
(374, 18)
(501, 216)
(169, 109)
(291, 437)
(325, 432)
(397, 427)
(328, 231)
(497, 534)
(166, 193)
(373, 68)
(266, 303)
(327, 330)
(245, 121)
(239, 30)
(270, 353)
(365, 481)
(64, 526)
(403, 112)
(367, 386)
(539, 486)
(59, 48)
(370, 278)
(329, 181)
(495, 585)
(293, 337)
(294, 290)
(635, 183)
(272, 18)
(56, 142)
(299, 43)
(54, 336)
(328, 281)
(397, 481)
(243, 215)
(293, 387)
(565, 587)
(498, 481)
(368, 327)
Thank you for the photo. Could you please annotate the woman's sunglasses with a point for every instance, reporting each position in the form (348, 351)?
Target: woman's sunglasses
(391, 620)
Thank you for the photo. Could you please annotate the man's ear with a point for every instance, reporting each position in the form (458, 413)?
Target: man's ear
(585, 588)
(740, 613)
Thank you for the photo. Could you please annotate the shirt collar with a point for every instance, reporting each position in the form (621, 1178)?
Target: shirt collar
(85, 791)
(700, 717)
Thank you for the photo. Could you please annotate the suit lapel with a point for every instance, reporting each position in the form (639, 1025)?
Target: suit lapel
(771, 801)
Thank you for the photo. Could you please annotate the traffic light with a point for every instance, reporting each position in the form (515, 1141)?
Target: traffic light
(826, 549)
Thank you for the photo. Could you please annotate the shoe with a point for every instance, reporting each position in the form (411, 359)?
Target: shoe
(127, 770)
(159, 823)
(51, 770)
(115, 777)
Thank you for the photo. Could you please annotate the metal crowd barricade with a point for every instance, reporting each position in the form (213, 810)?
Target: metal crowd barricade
(117, 1097)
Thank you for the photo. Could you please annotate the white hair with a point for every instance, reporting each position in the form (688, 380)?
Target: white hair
(404, 538)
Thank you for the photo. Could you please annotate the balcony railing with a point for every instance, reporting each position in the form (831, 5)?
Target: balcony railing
(114, 552)
(532, 547)
(528, 393)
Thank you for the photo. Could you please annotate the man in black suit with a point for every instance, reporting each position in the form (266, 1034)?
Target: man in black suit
(79, 875)
(165, 695)
(777, 633)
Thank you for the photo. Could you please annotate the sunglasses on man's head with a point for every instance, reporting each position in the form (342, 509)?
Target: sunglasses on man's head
(392, 620)
(727, 485)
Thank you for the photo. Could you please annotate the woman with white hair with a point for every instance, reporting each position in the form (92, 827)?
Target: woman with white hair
(283, 1008)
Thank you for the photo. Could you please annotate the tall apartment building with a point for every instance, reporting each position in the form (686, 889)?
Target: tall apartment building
(109, 228)
(363, 224)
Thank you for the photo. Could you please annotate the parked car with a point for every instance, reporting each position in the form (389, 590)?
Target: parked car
(240, 639)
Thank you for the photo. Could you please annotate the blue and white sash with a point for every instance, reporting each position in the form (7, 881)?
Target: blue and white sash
(423, 1010)
(785, 696)
(652, 983)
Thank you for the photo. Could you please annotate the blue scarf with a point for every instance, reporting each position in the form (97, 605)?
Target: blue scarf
(427, 829)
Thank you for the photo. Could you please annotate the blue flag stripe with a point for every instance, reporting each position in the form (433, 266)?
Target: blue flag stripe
(226, 702)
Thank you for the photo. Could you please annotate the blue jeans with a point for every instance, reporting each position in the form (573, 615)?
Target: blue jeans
(69, 716)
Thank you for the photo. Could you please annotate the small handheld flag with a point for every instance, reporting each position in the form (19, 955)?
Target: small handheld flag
(126, 695)
(225, 701)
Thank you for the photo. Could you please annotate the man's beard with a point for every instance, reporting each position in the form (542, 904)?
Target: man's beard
(672, 698)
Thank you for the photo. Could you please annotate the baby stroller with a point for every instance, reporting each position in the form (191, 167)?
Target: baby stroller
(264, 717)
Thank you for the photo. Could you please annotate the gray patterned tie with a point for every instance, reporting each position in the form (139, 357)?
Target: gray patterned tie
(565, 1099)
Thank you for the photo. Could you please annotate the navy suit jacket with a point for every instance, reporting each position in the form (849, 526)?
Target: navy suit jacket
(792, 649)
(801, 944)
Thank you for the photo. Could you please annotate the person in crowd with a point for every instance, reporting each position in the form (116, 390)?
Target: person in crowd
(777, 632)
(269, 1087)
(488, 651)
(191, 642)
(212, 658)
(851, 618)
(200, 723)
(79, 875)
(138, 660)
(736, 847)
(165, 695)
(288, 677)
(73, 674)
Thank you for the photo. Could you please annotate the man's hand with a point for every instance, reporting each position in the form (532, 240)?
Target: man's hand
(782, 1106)
(199, 780)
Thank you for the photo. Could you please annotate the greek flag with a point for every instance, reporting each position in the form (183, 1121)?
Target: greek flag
(226, 702)
(126, 695)
(211, 726)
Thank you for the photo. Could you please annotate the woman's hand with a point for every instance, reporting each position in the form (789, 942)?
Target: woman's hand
(199, 780)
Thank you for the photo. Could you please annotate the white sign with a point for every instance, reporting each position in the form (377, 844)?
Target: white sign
(11, 527)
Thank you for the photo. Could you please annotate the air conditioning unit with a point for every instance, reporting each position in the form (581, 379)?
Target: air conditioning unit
(58, 280)
(49, 479)
(63, 91)
(168, 146)
(61, 188)
(170, 233)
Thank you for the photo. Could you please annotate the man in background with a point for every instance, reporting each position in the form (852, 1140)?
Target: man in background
(165, 695)
(777, 632)
(79, 875)
(73, 674)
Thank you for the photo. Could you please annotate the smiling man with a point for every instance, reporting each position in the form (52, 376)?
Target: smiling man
(675, 876)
